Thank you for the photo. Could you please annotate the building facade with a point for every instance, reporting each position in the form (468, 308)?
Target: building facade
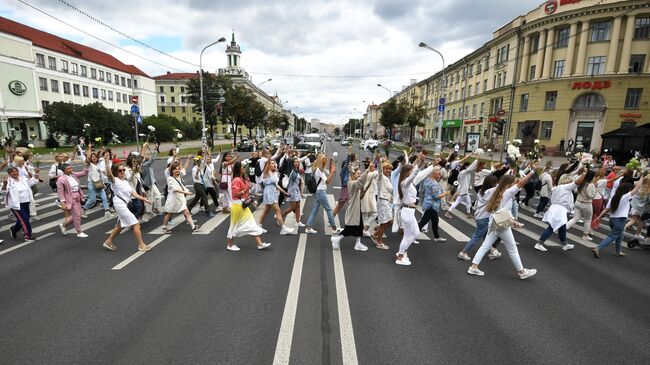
(38, 68)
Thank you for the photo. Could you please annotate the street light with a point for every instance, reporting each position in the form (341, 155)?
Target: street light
(438, 142)
(263, 82)
(390, 94)
(203, 139)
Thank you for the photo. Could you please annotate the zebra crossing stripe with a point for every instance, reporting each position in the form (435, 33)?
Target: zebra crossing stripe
(133, 257)
(25, 244)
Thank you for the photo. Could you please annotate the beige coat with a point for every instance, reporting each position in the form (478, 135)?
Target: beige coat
(369, 201)
(353, 211)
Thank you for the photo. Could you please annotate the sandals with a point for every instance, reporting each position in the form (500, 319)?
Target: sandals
(110, 247)
(380, 245)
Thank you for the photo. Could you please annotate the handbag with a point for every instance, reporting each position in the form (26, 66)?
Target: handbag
(99, 185)
(247, 203)
(502, 219)
(223, 185)
(129, 205)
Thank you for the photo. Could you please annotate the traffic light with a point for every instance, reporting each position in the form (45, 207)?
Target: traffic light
(498, 127)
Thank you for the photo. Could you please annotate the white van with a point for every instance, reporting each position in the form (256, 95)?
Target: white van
(313, 139)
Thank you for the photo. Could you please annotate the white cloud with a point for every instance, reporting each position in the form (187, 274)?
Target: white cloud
(343, 37)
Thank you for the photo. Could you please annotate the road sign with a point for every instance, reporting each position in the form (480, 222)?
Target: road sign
(221, 91)
(139, 120)
(441, 107)
(134, 99)
(501, 113)
(134, 109)
(441, 101)
(221, 100)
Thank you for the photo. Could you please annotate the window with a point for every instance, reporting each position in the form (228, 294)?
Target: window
(485, 87)
(40, 60)
(117, 80)
(558, 69)
(551, 97)
(95, 93)
(502, 54)
(183, 99)
(469, 91)
(183, 109)
(108, 77)
(464, 73)
(482, 108)
(184, 119)
(474, 108)
(628, 124)
(84, 89)
(162, 89)
(182, 89)
(633, 98)
(76, 89)
(162, 109)
(93, 73)
(456, 95)
(523, 105)
(533, 71)
(453, 114)
(162, 98)
(546, 130)
(75, 68)
(66, 88)
(44, 104)
(173, 109)
(118, 97)
(124, 98)
(64, 65)
(497, 79)
(51, 63)
(471, 69)
(110, 95)
(642, 28)
(596, 65)
(562, 39)
(123, 81)
(55, 86)
(478, 88)
(173, 99)
(495, 105)
(42, 83)
(534, 44)
(171, 89)
(637, 61)
(135, 84)
(487, 63)
(84, 71)
(194, 119)
(128, 83)
(600, 31)
(101, 75)
(103, 94)
(479, 67)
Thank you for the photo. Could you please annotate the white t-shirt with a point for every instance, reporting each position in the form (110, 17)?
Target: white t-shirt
(563, 195)
(197, 173)
(122, 188)
(322, 175)
(623, 206)
(74, 184)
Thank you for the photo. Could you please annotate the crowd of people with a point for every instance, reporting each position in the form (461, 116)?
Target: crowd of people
(378, 196)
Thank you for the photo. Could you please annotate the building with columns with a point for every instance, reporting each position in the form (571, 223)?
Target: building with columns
(569, 70)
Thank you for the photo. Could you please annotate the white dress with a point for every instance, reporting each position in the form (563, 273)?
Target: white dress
(176, 201)
(122, 189)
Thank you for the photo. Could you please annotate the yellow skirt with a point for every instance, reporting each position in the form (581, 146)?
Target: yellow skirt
(242, 222)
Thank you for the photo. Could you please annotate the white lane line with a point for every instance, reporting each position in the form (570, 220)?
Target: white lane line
(451, 230)
(570, 236)
(327, 229)
(348, 346)
(133, 257)
(212, 223)
(25, 244)
(55, 223)
(40, 217)
(283, 347)
(290, 220)
(49, 197)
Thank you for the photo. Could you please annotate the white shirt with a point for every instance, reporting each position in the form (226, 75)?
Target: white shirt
(122, 188)
(481, 204)
(307, 164)
(623, 206)
(563, 195)
(322, 175)
(197, 174)
(104, 166)
(74, 184)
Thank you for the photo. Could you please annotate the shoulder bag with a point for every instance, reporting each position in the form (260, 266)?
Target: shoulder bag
(502, 219)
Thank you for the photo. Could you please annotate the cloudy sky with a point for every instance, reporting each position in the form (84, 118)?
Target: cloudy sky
(325, 57)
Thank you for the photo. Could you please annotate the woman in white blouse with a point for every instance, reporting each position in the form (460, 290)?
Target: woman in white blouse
(176, 202)
(18, 195)
(123, 193)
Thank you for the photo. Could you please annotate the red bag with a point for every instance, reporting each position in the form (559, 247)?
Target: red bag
(595, 224)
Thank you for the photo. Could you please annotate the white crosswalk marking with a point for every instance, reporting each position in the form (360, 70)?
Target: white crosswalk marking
(56, 222)
(40, 200)
(25, 244)
(570, 236)
(212, 223)
(133, 257)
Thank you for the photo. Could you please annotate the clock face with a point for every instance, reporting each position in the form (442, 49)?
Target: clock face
(550, 7)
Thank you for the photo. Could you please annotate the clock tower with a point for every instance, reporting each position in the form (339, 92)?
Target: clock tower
(233, 52)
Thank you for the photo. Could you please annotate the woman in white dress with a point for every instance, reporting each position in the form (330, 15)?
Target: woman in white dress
(176, 202)
(122, 195)
(242, 222)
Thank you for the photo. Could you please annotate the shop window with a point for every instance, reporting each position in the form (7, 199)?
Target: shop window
(596, 65)
(633, 98)
(637, 61)
(42, 83)
(551, 97)
(546, 130)
(600, 31)
(40, 60)
(523, 104)
(642, 28)
(628, 124)
(562, 39)
(558, 68)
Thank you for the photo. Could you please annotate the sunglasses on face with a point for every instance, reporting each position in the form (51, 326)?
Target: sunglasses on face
(121, 170)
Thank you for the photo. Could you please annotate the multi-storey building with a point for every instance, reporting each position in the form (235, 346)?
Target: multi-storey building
(39, 68)
(569, 71)
(371, 124)
(171, 90)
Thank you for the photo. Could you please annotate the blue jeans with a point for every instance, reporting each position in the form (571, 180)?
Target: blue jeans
(615, 235)
(321, 199)
(548, 232)
(482, 226)
(92, 197)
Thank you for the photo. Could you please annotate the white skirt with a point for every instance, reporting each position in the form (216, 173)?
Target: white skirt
(175, 203)
(124, 215)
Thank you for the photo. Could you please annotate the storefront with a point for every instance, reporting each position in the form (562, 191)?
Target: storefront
(451, 130)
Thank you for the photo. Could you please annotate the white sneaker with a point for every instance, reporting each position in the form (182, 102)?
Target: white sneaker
(538, 215)
(63, 229)
(424, 230)
(639, 237)
(526, 273)
(464, 256)
(416, 242)
(587, 237)
(494, 254)
(81, 235)
(233, 248)
(300, 224)
(473, 271)
(439, 239)
(568, 247)
(338, 230)
(581, 220)
(310, 230)
(286, 230)
(404, 261)
(108, 214)
(264, 246)
(360, 247)
(84, 214)
(336, 242)
(540, 247)
(366, 234)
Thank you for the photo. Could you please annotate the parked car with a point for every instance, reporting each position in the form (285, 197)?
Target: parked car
(245, 145)
(345, 142)
(337, 138)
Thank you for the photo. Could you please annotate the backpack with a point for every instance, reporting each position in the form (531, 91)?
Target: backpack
(453, 176)
(258, 168)
(311, 183)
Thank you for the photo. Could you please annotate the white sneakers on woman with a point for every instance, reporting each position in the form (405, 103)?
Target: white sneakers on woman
(286, 230)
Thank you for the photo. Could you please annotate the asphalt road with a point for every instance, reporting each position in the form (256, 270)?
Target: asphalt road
(67, 300)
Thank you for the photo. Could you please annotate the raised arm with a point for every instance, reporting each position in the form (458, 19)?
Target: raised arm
(523, 181)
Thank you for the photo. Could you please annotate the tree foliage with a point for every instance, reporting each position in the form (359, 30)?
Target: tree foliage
(414, 115)
(67, 120)
(279, 120)
(392, 115)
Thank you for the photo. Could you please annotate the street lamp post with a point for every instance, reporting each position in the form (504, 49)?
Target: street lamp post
(438, 142)
(203, 139)
(390, 94)
(264, 82)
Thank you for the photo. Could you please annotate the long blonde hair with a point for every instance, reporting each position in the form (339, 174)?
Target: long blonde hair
(645, 187)
(495, 200)
(320, 162)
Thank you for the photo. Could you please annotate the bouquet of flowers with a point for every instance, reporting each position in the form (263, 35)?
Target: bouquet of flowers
(479, 152)
(151, 129)
(370, 145)
(537, 153)
(177, 138)
(633, 164)
(387, 146)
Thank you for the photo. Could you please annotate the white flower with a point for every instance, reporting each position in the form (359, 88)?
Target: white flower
(518, 155)
(335, 154)
(536, 141)
(176, 130)
(142, 135)
(507, 142)
(179, 136)
(479, 151)
(152, 128)
(86, 125)
(246, 162)
(30, 145)
(568, 154)
(489, 150)
(202, 130)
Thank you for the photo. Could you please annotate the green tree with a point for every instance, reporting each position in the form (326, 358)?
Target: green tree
(211, 84)
(337, 131)
(67, 119)
(392, 115)
(279, 120)
(414, 116)
(257, 114)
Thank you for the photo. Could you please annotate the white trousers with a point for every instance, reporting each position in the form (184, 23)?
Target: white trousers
(410, 227)
(508, 241)
(156, 199)
(584, 210)
(227, 197)
(465, 199)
